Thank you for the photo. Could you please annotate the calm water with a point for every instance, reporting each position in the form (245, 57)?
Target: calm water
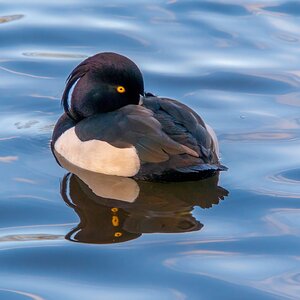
(237, 63)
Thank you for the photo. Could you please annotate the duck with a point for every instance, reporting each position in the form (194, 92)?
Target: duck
(111, 126)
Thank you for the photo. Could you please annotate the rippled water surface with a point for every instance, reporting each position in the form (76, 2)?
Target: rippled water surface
(237, 63)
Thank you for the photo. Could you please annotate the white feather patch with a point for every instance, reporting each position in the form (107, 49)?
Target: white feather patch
(214, 138)
(97, 156)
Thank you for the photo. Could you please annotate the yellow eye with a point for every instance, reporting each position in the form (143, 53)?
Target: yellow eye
(118, 234)
(121, 89)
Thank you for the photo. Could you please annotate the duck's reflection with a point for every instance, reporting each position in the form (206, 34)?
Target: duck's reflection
(115, 209)
(147, 207)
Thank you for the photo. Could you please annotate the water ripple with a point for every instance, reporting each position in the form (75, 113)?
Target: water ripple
(288, 7)
(54, 55)
(22, 293)
(292, 99)
(6, 19)
(24, 74)
(259, 136)
(236, 268)
(286, 220)
(8, 159)
(289, 176)
(209, 6)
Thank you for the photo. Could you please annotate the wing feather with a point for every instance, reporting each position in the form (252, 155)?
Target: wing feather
(183, 125)
(136, 126)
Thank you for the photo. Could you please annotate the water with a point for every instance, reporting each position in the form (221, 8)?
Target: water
(237, 64)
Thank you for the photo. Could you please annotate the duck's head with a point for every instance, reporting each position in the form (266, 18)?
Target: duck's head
(102, 83)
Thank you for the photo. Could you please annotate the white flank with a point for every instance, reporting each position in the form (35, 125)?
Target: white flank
(214, 138)
(97, 156)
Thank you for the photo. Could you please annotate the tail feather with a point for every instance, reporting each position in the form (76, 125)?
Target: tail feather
(202, 168)
(190, 173)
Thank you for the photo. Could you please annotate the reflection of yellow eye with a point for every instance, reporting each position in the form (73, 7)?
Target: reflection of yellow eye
(118, 234)
(121, 89)
(115, 221)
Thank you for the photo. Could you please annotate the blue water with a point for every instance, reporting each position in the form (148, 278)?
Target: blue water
(237, 63)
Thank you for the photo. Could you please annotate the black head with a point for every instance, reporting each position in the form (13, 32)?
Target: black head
(103, 82)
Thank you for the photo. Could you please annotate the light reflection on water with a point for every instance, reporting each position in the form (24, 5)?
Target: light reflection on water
(255, 271)
(237, 64)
